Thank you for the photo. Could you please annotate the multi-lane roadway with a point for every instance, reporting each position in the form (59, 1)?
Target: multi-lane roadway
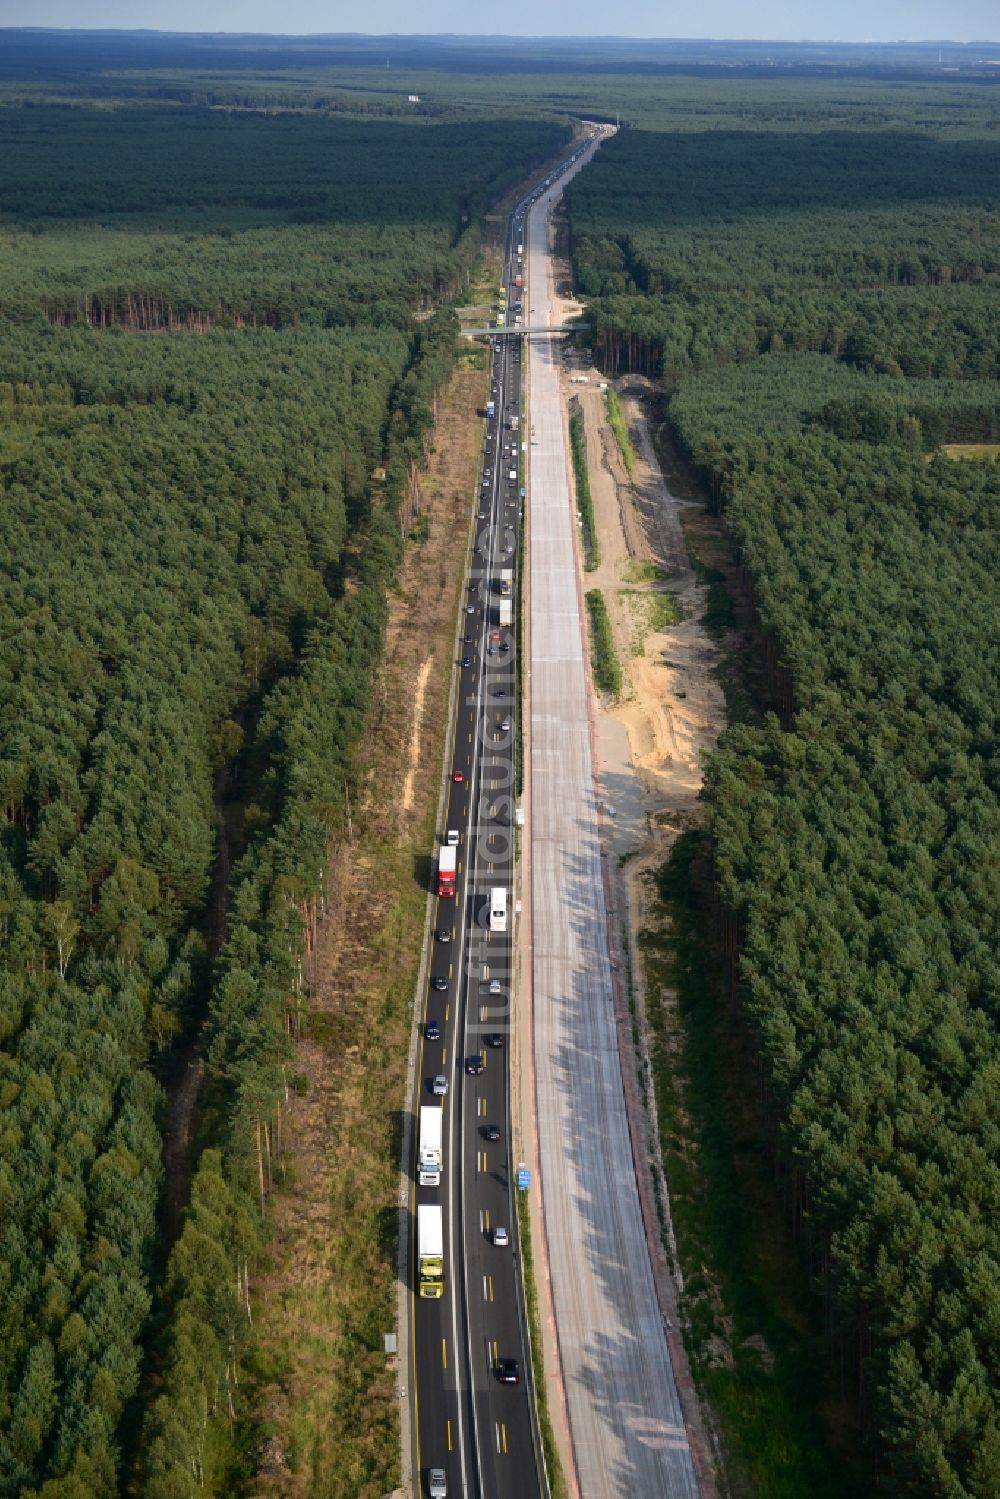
(470, 1422)
(474, 1426)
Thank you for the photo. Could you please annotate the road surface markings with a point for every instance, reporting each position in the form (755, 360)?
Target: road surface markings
(480, 1160)
(487, 1217)
(444, 1354)
(482, 1108)
(449, 1435)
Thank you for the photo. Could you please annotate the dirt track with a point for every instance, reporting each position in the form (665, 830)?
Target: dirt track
(672, 706)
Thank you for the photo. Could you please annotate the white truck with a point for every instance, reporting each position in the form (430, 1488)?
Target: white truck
(506, 612)
(498, 908)
(430, 1157)
(506, 582)
(430, 1250)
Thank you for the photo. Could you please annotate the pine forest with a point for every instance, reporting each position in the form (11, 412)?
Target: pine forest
(213, 388)
(821, 307)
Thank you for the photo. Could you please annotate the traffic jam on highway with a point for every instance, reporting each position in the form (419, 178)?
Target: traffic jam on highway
(474, 1422)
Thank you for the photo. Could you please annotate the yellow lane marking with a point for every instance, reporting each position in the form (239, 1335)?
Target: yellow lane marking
(444, 1353)
(487, 1216)
(449, 1435)
(503, 1434)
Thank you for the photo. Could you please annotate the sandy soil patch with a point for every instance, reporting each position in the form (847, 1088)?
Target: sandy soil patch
(414, 758)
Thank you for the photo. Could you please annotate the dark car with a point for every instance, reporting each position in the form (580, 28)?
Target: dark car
(466, 660)
(474, 1065)
(444, 934)
(508, 1371)
(495, 1040)
(492, 1132)
(466, 639)
(439, 983)
(433, 1031)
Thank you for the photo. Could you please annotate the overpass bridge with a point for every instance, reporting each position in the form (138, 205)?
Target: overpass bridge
(525, 332)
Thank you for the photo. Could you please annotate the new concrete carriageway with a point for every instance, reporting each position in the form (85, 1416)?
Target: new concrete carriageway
(626, 1423)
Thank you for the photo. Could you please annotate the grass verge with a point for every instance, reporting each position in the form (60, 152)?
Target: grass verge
(603, 656)
(650, 613)
(641, 570)
(557, 1478)
(755, 1347)
(584, 501)
(322, 1390)
(619, 426)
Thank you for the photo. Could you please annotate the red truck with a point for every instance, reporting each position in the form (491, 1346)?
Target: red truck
(447, 865)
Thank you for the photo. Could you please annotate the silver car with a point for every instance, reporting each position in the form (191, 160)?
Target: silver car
(440, 1086)
(437, 1483)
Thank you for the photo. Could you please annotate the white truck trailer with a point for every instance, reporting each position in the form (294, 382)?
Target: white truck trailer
(430, 1157)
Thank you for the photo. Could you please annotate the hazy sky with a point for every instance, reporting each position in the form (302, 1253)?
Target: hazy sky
(777, 20)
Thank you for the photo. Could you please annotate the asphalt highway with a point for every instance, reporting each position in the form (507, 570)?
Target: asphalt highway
(480, 1431)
